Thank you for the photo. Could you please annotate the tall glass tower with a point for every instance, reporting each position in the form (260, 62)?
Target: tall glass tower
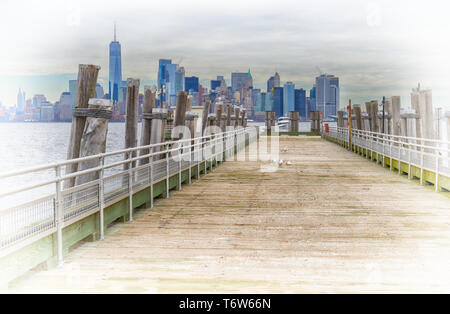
(115, 69)
(288, 98)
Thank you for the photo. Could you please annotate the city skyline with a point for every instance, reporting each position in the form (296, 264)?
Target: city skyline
(372, 46)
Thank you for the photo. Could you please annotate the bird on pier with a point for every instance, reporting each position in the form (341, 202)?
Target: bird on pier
(288, 163)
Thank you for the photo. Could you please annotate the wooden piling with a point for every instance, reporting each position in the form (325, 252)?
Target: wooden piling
(294, 117)
(146, 131)
(243, 112)
(237, 111)
(358, 117)
(395, 105)
(315, 121)
(159, 117)
(180, 113)
(268, 117)
(219, 110)
(191, 117)
(86, 83)
(350, 125)
(93, 141)
(205, 114)
(372, 111)
(340, 116)
(131, 122)
(229, 112)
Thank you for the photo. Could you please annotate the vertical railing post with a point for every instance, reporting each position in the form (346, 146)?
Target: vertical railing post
(409, 161)
(59, 216)
(151, 176)
(421, 165)
(205, 157)
(180, 150)
(400, 148)
(436, 184)
(167, 171)
(390, 152)
(197, 146)
(130, 185)
(190, 162)
(102, 198)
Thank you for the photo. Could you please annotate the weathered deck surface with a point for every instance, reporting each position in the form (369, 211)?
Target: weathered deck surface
(331, 222)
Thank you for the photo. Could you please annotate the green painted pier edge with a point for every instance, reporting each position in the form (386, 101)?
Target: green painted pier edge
(43, 253)
(403, 168)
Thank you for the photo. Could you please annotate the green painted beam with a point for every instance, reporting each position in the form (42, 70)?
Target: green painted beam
(428, 176)
(44, 251)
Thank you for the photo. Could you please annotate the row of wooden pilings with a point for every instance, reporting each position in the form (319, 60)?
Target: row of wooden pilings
(393, 122)
(294, 119)
(90, 121)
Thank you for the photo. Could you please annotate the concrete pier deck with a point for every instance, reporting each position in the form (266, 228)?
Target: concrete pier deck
(330, 222)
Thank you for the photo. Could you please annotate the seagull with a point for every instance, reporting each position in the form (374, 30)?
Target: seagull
(280, 162)
(284, 149)
(288, 163)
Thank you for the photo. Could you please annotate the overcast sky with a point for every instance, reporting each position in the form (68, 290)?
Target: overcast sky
(377, 48)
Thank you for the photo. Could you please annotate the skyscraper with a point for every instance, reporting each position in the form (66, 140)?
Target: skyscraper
(273, 81)
(278, 101)
(162, 72)
(215, 84)
(268, 101)
(65, 106)
(288, 98)
(73, 90)
(191, 83)
(115, 69)
(327, 94)
(238, 81)
(312, 99)
(179, 79)
(276, 80)
(99, 93)
(20, 102)
(300, 102)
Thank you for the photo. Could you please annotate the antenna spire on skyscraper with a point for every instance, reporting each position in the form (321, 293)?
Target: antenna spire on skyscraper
(115, 31)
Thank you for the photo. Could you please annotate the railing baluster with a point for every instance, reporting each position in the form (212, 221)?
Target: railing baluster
(101, 195)
(436, 184)
(130, 186)
(59, 215)
(167, 171)
(151, 177)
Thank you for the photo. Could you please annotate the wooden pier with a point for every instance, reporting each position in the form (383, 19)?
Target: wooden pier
(329, 222)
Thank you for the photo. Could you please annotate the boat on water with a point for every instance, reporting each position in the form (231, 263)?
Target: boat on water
(283, 123)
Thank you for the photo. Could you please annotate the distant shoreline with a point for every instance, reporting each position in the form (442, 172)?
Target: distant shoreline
(51, 121)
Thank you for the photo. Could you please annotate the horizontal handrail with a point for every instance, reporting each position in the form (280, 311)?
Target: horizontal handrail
(29, 220)
(107, 154)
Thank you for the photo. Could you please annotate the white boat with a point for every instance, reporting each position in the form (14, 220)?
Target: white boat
(283, 123)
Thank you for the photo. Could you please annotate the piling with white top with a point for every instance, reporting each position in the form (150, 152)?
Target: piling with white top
(93, 141)
(86, 83)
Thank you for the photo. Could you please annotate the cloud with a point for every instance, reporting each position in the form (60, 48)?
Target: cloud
(376, 48)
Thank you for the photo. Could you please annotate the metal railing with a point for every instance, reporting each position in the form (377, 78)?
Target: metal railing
(424, 154)
(22, 223)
